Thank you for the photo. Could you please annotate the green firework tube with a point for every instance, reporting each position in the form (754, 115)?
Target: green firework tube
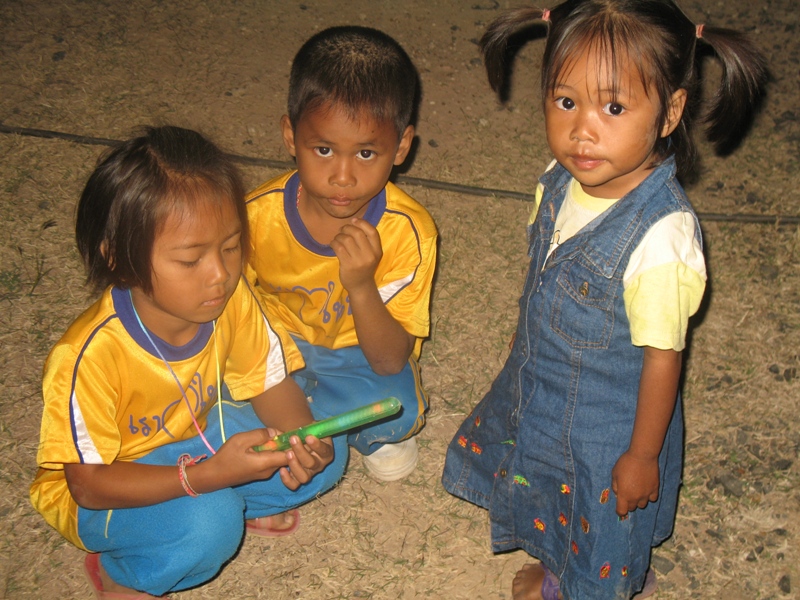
(334, 425)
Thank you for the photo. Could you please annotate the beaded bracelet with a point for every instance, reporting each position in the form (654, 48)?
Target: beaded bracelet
(186, 460)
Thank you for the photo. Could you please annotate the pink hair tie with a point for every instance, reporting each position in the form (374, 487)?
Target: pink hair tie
(545, 14)
(698, 31)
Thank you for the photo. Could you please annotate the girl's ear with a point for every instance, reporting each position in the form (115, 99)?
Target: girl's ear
(288, 135)
(405, 145)
(674, 112)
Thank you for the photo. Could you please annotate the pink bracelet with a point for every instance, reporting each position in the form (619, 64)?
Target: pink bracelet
(186, 460)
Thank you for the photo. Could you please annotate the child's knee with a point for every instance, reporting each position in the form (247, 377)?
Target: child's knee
(214, 529)
(188, 547)
(400, 428)
(411, 419)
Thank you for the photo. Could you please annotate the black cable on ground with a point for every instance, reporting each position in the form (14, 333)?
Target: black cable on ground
(427, 183)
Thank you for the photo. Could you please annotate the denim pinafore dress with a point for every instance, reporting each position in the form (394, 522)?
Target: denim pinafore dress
(538, 450)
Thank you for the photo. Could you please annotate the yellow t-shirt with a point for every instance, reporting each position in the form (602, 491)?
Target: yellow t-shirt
(666, 274)
(108, 396)
(298, 278)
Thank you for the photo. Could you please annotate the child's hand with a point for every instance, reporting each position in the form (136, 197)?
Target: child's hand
(383, 339)
(358, 248)
(236, 462)
(305, 460)
(634, 480)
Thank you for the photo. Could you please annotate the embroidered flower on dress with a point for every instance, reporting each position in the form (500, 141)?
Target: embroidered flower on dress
(462, 441)
(539, 525)
(475, 448)
(574, 547)
(584, 525)
(605, 571)
(565, 489)
(604, 496)
(562, 519)
(520, 480)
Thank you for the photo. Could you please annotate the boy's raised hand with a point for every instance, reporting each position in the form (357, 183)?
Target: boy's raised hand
(384, 341)
(358, 248)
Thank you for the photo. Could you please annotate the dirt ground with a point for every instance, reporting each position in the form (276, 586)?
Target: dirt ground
(100, 68)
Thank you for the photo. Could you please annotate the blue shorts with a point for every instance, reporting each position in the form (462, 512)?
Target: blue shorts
(184, 542)
(341, 380)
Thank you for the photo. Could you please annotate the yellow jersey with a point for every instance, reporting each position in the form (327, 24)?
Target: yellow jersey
(298, 278)
(109, 396)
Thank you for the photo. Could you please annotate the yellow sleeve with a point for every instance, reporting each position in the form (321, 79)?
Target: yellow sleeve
(411, 305)
(659, 303)
(261, 354)
(82, 399)
(405, 275)
(537, 201)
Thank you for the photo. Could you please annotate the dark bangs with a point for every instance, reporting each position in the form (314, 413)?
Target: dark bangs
(639, 35)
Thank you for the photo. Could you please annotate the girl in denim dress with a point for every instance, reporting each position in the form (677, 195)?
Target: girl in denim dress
(576, 450)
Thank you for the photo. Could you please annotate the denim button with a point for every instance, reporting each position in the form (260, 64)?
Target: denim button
(503, 472)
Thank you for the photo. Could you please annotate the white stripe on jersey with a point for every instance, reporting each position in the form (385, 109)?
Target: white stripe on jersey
(84, 441)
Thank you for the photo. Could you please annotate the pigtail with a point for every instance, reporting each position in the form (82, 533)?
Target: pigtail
(495, 42)
(744, 75)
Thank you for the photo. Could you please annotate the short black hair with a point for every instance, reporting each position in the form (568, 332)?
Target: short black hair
(357, 69)
(133, 190)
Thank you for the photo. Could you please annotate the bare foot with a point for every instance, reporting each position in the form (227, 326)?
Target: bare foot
(279, 522)
(111, 586)
(527, 584)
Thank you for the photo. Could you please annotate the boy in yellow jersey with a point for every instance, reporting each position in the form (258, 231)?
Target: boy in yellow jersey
(341, 256)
